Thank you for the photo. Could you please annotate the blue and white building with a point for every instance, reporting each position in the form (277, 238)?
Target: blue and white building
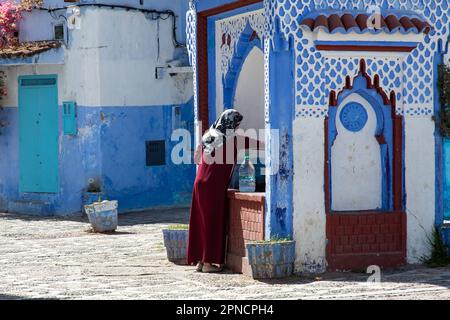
(351, 87)
(94, 94)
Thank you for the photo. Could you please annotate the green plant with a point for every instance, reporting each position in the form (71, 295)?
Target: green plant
(444, 97)
(178, 227)
(439, 256)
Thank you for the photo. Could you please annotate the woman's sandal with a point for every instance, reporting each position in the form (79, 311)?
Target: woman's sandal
(211, 269)
(199, 267)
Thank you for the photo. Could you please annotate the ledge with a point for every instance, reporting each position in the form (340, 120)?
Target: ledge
(246, 196)
(365, 212)
(52, 55)
(446, 224)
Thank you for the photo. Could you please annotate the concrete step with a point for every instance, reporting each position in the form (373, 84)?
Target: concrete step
(31, 207)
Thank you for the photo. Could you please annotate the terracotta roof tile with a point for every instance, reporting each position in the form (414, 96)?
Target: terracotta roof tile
(348, 22)
(27, 49)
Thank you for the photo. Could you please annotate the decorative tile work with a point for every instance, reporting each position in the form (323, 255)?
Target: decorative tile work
(389, 70)
(266, 81)
(314, 74)
(343, 22)
(231, 30)
(417, 67)
(191, 44)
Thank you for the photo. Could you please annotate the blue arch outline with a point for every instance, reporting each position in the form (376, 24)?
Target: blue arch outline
(211, 22)
(384, 128)
(244, 46)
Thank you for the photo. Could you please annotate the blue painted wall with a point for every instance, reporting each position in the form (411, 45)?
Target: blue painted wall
(279, 186)
(110, 145)
(75, 156)
(442, 153)
(125, 176)
(208, 4)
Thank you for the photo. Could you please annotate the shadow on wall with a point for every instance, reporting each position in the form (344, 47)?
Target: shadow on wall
(127, 175)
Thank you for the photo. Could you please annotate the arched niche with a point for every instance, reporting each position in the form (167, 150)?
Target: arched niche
(356, 156)
(360, 148)
(244, 82)
(249, 92)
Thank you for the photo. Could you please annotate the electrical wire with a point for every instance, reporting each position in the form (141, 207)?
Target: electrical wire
(155, 15)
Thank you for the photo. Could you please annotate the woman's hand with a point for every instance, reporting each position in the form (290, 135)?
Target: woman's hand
(198, 154)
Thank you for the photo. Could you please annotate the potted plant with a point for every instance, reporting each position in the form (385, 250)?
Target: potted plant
(102, 215)
(93, 192)
(271, 259)
(175, 241)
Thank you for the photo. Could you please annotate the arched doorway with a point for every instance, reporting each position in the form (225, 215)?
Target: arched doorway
(249, 93)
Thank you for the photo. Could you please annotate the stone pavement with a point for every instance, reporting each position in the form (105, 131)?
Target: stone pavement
(59, 258)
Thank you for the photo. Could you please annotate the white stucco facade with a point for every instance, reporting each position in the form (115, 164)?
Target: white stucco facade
(420, 185)
(309, 207)
(130, 83)
(110, 61)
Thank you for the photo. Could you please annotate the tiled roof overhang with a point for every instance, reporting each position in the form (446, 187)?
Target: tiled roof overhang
(28, 49)
(357, 22)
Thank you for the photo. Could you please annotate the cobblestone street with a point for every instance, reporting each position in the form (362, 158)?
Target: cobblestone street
(61, 259)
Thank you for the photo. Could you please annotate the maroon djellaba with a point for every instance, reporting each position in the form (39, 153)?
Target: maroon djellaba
(207, 228)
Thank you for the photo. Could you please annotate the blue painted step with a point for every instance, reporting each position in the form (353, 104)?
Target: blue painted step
(31, 207)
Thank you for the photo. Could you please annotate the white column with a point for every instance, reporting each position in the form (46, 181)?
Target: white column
(309, 204)
(419, 184)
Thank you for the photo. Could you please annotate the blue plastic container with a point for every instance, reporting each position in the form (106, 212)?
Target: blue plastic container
(176, 241)
(271, 259)
(102, 215)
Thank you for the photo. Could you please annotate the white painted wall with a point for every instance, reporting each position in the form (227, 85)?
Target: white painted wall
(111, 61)
(41, 22)
(420, 184)
(356, 176)
(309, 210)
(309, 206)
(249, 97)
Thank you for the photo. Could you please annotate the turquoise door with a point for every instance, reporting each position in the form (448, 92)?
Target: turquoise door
(38, 125)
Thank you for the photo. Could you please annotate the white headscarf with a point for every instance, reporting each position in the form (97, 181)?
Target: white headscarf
(221, 130)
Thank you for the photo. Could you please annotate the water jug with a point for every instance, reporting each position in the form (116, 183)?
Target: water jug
(247, 178)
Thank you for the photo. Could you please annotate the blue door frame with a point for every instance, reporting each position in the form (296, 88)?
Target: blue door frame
(38, 134)
(446, 165)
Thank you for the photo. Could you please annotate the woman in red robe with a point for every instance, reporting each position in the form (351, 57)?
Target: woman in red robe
(207, 227)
